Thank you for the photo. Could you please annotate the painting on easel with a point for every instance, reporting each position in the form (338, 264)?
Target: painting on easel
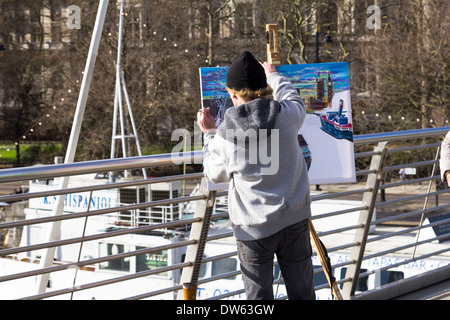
(326, 137)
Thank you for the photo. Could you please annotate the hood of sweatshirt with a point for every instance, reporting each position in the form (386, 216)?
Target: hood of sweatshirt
(249, 119)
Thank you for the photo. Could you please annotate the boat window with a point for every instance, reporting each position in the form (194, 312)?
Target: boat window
(362, 282)
(151, 261)
(223, 266)
(108, 249)
(276, 272)
(319, 277)
(390, 276)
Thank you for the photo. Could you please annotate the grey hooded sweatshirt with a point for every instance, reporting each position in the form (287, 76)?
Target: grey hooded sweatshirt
(256, 149)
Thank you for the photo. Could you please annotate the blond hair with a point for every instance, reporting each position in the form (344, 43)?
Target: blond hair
(248, 94)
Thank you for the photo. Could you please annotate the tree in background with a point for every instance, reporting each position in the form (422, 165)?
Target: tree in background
(164, 44)
(409, 62)
(399, 71)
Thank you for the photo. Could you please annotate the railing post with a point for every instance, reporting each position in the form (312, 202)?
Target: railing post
(54, 228)
(365, 218)
(199, 233)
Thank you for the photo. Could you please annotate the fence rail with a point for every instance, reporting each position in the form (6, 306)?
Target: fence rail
(195, 245)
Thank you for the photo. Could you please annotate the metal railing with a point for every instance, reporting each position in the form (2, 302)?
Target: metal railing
(124, 253)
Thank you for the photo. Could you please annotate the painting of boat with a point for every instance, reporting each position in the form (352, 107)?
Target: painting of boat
(336, 124)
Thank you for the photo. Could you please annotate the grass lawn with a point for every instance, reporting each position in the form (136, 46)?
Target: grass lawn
(7, 152)
(30, 152)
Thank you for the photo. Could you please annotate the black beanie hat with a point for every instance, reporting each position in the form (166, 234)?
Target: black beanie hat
(246, 72)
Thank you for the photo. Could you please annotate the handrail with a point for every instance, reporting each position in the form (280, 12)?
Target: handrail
(400, 135)
(111, 165)
(97, 166)
(20, 196)
(106, 165)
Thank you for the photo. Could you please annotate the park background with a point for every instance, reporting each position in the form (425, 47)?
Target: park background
(398, 54)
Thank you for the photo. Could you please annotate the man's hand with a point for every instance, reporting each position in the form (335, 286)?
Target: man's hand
(205, 120)
(268, 68)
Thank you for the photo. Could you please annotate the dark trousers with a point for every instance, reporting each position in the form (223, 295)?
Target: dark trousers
(292, 247)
